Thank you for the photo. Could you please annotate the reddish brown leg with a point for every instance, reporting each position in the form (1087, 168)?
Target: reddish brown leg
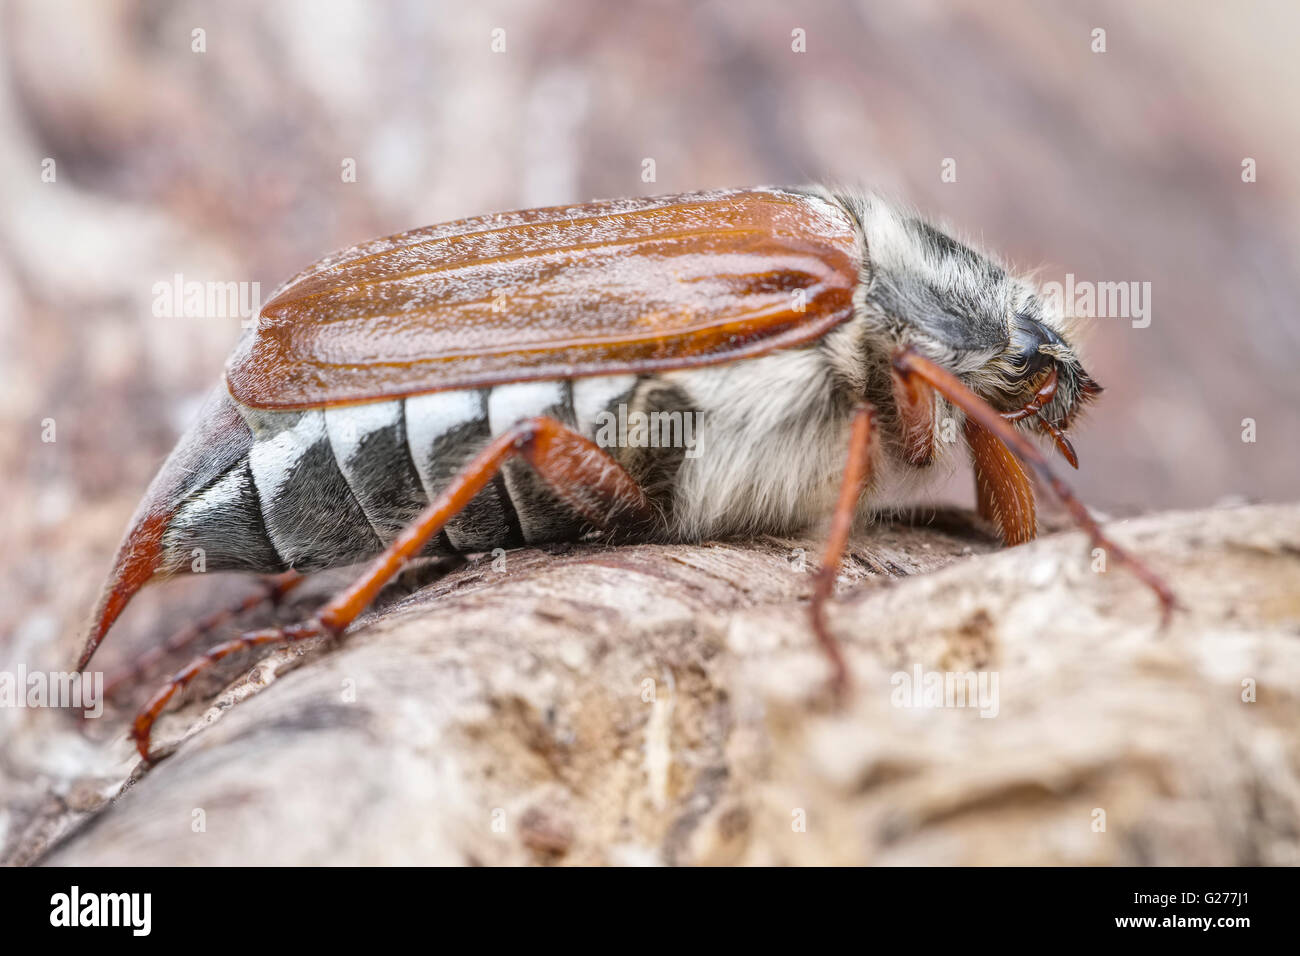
(910, 362)
(274, 588)
(915, 402)
(856, 472)
(582, 474)
(1003, 494)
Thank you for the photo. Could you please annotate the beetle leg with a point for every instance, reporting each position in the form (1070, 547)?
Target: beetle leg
(910, 362)
(857, 469)
(273, 590)
(915, 403)
(581, 473)
(144, 720)
(1003, 493)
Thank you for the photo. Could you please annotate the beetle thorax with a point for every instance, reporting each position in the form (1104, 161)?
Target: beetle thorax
(772, 440)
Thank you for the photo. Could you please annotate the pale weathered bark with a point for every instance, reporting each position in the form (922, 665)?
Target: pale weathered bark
(666, 705)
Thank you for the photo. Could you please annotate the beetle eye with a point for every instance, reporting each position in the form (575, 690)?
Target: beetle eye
(1027, 336)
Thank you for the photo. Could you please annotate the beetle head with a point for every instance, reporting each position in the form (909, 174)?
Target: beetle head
(967, 313)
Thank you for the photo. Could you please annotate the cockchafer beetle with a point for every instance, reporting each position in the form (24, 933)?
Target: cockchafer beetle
(438, 392)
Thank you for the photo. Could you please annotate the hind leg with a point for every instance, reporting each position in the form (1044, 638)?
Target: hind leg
(580, 473)
(274, 588)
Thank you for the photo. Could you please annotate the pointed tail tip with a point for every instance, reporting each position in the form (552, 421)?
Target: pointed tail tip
(216, 442)
(104, 618)
(138, 561)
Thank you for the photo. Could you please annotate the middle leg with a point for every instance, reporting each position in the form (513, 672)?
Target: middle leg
(857, 470)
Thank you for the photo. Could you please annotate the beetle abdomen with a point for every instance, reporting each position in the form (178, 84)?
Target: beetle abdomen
(219, 527)
(444, 431)
(311, 514)
(370, 448)
(328, 487)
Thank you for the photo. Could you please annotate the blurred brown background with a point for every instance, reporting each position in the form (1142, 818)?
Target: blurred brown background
(225, 165)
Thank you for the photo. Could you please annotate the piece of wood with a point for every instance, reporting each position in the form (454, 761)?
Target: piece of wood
(661, 704)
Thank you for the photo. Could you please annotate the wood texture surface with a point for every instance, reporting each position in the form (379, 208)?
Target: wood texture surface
(665, 705)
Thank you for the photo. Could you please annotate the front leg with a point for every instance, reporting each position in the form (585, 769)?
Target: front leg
(1003, 493)
(909, 362)
(579, 472)
(857, 471)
